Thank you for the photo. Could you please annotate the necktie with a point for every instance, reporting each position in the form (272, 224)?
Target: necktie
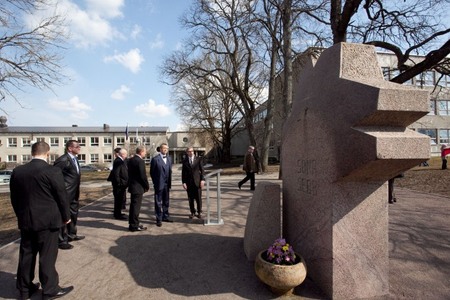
(191, 161)
(75, 163)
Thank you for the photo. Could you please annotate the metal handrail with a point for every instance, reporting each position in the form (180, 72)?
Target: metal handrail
(219, 220)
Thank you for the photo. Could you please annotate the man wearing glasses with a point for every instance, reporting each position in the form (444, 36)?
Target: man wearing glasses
(70, 167)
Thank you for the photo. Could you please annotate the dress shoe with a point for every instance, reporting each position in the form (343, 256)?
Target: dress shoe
(60, 293)
(158, 223)
(65, 246)
(139, 228)
(122, 217)
(200, 216)
(31, 290)
(167, 220)
(191, 216)
(239, 185)
(76, 238)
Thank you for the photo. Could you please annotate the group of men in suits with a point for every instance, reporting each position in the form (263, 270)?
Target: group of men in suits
(45, 199)
(131, 173)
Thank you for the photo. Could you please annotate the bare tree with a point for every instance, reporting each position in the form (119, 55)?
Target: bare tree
(29, 52)
(204, 98)
(401, 27)
(226, 28)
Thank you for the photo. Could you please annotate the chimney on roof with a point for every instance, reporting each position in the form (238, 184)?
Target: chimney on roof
(74, 125)
(3, 120)
(105, 126)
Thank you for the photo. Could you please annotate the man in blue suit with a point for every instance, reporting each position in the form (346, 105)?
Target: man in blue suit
(161, 174)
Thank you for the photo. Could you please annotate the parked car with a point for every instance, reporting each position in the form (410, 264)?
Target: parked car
(89, 168)
(5, 176)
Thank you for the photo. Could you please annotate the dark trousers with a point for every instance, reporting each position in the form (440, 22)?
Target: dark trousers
(162, 204)
(44, 243)
(194, 195)
(135, 209)
(444, 164)
(120, 195)
(250, 176)
(70, 230)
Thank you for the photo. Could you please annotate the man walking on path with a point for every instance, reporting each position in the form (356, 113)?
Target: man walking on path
(251, 166)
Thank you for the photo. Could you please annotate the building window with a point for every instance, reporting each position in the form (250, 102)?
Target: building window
(431, 133)
(40, 139)
(185, 140)
(432, 108)
(386, 72)
(82, 141)
(120, 141)
(107, 158)
(12, 142)
(66, 139)
(429, 78)
(443, 136)
(26, 142)
(12, 158)
(94, 158)
(107, 141)
(54, 141)
(26, 158)
(94, 141)
(445, 81)
(52, 158)
(133, 140)
(443, 108)
(81, 158)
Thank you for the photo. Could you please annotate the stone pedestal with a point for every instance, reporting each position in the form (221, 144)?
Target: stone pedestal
(345, 138)
(263, 225)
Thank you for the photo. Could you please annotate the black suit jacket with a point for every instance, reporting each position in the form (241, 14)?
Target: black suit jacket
(137, 177)
(38, 196)
(71, 177)
(192, 174)
(119, 173)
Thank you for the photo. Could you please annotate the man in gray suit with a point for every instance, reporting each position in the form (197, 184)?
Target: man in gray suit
(39, 199)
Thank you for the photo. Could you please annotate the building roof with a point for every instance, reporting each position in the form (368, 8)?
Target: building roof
(84, 129)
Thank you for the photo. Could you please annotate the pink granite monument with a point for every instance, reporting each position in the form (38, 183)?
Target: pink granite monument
(345, 138)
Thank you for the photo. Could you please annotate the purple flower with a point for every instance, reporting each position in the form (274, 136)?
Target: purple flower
(281, 253)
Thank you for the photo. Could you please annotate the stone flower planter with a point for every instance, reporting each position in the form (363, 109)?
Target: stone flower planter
(282, 279)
